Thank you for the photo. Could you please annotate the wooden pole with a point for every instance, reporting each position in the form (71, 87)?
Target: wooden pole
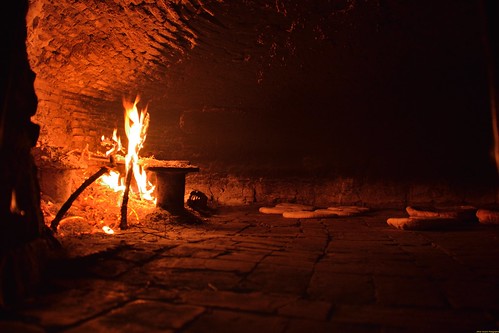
(65, 207)
(124, 203)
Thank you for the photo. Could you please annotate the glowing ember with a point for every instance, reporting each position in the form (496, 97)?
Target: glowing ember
(107, 230)
(13, 205)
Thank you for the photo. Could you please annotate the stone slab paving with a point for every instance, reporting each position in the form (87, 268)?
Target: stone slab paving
(243, 271)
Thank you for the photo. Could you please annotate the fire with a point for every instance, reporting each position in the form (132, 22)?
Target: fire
(113, 180)
(13, 204)
(136, 125)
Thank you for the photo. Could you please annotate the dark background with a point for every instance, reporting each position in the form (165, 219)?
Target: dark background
(386, 89)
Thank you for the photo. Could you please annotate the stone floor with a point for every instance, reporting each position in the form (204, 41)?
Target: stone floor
(244, 271)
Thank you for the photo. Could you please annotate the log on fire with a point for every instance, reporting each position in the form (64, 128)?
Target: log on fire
(124, 203)
(65, 207)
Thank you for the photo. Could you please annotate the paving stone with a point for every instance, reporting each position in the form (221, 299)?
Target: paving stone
(303, 325)
(289, 232)
(357, 233)
(479, 261)
(250, 301)
(278, 279)
(437, 263)
(142, 316)
(138, 277)
(252, 244)
(308, 309)
(244, 272)
(259, 230)
(313, 228)
(341, 288)
(331, 265)
(466, 293)
(407, 291)
(342, 245)
(9, 326)
(314, 232)
(276, 222)
(345, 257)
(70, 306)
(137, 255)
(151, 292)
(217, 242)
(311, 244)
(185, 250)
(228, 321)
(292, 258)
(464, 241)
(407, 238)
(230, 227)
(406, 319)
(397, 267)
(197, 279)
(248, 256)
(110, 268)
(201, 264)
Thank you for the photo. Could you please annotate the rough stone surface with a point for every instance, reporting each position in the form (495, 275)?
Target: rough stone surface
(243, 271)
(344, 87)
(488, 216)
(227, 189)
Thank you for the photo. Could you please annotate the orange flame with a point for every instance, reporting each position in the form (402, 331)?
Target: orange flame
(114, 142)
(113, 180)
(13, 204)
(136, 125)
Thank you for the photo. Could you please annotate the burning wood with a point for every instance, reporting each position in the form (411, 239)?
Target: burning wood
(136, 125)
(133, 187)
(55, 223)
(124, 204)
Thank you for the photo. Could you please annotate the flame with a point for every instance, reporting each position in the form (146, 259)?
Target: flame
(113, 180)
(114, 143)
(136, 125)
(13, 204)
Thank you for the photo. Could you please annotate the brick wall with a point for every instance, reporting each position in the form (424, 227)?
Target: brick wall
(350, 88)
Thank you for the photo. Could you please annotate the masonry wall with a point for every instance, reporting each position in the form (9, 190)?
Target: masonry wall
(356, 89)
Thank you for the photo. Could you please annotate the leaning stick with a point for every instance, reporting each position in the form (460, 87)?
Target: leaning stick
(65, 207)
(124, 203)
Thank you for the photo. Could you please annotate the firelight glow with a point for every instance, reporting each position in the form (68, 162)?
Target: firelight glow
(107, 230)
(113, 180)
(136, 125)
(117, 146)
(13, 204)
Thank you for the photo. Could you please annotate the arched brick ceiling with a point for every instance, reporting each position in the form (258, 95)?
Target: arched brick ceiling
(100, 48)
(346, 83)
(88, 55)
